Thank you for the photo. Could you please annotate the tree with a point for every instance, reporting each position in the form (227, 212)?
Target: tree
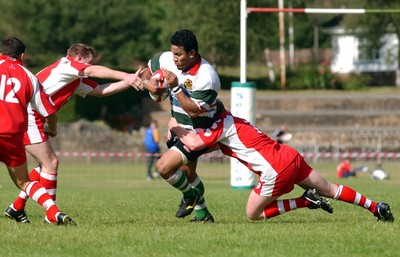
(118, 30)
(215, 23)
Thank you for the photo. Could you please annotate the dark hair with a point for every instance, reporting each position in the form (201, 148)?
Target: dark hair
(12, 47)
(82, 49)
(186, 39)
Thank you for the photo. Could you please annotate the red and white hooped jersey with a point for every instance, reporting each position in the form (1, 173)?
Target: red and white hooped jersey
(238, 138)
(18, 88)
(60, 80)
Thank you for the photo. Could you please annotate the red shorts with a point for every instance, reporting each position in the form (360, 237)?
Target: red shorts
(12, 150)
(285, 180)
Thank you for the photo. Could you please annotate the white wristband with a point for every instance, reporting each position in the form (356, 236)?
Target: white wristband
(177, 89)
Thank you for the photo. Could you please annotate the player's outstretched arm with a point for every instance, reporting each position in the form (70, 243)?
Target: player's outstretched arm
(116, 87)
(190, 139)
(109, 89)
(103, 72)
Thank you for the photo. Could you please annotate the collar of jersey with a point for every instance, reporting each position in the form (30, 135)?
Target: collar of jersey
(8, 58)
(195, 68)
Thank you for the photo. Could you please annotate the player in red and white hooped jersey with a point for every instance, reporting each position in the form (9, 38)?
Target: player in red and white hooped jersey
(279, 168)
(18, 88)
(67, 76)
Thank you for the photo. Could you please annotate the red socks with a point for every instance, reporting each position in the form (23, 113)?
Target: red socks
(278, 207)
(348, 195)
(39, 194)
(48, 181)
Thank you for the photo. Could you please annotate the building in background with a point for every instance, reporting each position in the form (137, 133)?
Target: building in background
(352, 54)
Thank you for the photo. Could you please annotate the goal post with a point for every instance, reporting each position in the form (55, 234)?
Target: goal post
(243, 105)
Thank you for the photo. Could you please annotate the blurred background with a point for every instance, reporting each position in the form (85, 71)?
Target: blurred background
(341, 70)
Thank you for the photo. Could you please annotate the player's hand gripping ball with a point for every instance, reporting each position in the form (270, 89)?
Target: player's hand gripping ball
(162, 82)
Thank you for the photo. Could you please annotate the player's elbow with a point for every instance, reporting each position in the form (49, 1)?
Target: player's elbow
(99, 91)
(97, 94)
(193, 114)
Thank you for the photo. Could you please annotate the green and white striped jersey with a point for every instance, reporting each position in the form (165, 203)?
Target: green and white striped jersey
(201, 83)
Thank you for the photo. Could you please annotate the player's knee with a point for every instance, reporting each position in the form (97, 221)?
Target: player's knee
(160, 166)
(251, 215)
(51, 166)
(164, 168)
(54, 164)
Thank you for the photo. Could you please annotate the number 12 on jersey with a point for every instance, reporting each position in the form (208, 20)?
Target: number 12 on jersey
(10, 97)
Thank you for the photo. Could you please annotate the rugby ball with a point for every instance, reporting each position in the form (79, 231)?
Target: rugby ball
(286, 137)
(162, 82)
(379, 174)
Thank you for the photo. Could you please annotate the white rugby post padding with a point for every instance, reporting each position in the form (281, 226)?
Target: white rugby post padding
(243, 96)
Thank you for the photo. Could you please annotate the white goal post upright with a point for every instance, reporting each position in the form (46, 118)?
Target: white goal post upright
(243, 105)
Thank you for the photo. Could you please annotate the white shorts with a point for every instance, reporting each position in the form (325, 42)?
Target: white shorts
(35, 133)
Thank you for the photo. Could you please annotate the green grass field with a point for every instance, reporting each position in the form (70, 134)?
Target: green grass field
(119, 213)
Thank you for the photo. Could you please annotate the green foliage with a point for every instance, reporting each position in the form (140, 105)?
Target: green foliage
(127, 33)
(356, 82)
(120, 214)
(312, 77)
(68, 113)
(102, 24)
(215, 23)
(122, 111)
(301, 79)
(255, 73)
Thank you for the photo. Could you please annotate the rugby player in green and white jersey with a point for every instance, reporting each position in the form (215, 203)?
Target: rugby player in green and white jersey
(194, 87)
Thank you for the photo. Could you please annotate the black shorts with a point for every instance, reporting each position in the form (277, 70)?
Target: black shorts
(190, 155)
